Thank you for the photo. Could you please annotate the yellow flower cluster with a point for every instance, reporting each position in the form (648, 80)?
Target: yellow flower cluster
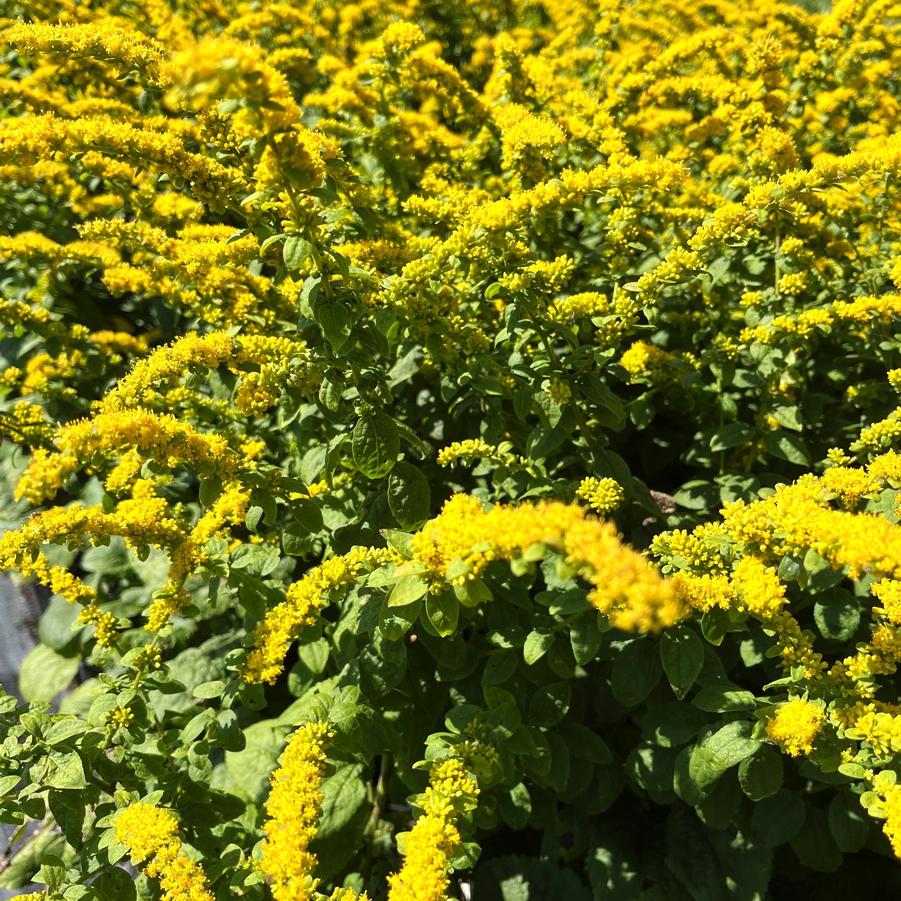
(292, 810)
(27, 424)
(471, 450)
(465, 451)
(141, 520)
(753, 588)
(301, 607)
(797, 518)
(125, 49)
(160, 437)
(234, 180)
(460, 542)
(644, 360)
(879, 728)
(465, 538)
(434, 838)
(151, 835)
(146, 385)
(890, 795)
(227, 511)
(584, 304)
(46, 137)
(526, 139)
(602, 495)
(795, 726)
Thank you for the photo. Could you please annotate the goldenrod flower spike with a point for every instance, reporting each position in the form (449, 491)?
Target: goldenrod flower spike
(151, 835)
(128, 50)
(625, 586)
(434, 839)
(159, 437)
(293, 810)
(43, 137)
(303, 602)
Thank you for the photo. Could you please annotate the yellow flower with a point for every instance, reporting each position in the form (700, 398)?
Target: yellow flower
(293, 809)
(151, 835)
(120, 716)
(465, 451)
(644, 360)
(434, 838)
(602, 495)
(160, 437)
(795, 726)
(890, 794)
(625, 586)
(759, 587)
(126, 48)
(303, 601)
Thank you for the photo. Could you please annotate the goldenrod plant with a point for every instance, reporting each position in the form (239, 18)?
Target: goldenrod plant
(458, 444)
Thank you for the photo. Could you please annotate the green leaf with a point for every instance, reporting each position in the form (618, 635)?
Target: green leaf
(395, 623)
(671, 724)
(443, 611)
(252, 518)
(636, 672)
(335, 320)
(295, 252)
(500, 667)
(330, 390)
(409, 495)
(376, 445)
(55, 627)
(515, 806)
(613, 870)
(787, 447)
(584, 743)
(549, 704)
(585, 639)
(472, 593)
(256, 559)
(837, 614)
(295, 539)
(814, 844)
(682, 655)
(249, 768)
(211, 689)
(714, 625)
(691, 858)
(718, 752)
(44, 674)
(399, 541)
(114, 885)
(848, 822)
(344, 816)
(314, 655)
(8, 783)
(760, 775)
(209, 490)
(734, 434)
(68, 809)
(518, 878)
(537, 644)
(788, 418)
(717, 699)
(407, 590)
(64, 769)
(343, 793)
